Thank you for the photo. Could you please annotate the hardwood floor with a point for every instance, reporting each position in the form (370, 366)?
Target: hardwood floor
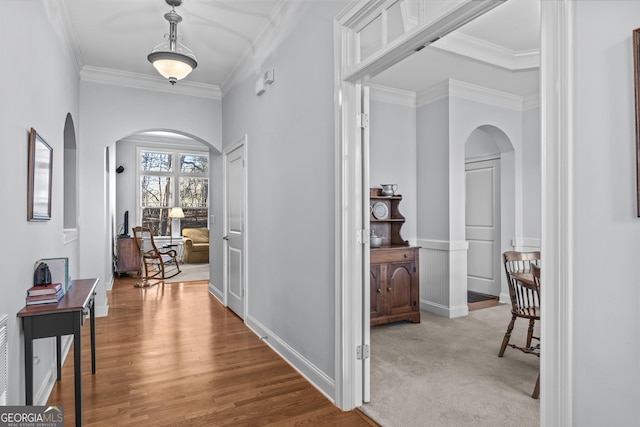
(173, 355)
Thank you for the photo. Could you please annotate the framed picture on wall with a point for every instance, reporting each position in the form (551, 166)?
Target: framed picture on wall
(39, 178)
(636, 82)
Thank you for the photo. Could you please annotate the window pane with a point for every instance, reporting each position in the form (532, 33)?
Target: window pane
(194, 218)
(155, 191)
(157, 219)
(194, 163)
(194, 192)
(156, 162)
(371, 38)
(395, 23)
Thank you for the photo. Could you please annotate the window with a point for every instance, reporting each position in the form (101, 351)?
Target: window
(163, 186)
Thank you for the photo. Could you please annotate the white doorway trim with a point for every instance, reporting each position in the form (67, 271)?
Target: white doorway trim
(557, 134)
(556, 70)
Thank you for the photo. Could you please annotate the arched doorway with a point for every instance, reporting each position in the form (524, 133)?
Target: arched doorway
(489, 207)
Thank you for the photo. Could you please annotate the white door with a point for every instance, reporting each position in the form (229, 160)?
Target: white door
(363, 102)
(482, 223)
(234, 238)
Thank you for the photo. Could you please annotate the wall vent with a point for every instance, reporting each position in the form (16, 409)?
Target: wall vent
(4, 369)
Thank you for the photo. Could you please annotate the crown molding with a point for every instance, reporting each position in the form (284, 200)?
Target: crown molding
(531, 102)
(490, 53)
(457, 89)
(58, 10)
(175, 141)
(433, 94)
(484, 95)
(142, 81)
(262, 45)
(390, 95)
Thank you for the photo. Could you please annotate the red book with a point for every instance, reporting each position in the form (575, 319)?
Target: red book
(51, 289)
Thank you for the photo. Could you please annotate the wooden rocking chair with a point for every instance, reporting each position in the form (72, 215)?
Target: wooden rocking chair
(158, 264)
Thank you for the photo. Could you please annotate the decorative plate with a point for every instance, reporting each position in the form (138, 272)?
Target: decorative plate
(380, 210)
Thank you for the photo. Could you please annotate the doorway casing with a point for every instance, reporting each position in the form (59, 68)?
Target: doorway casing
(556, 66)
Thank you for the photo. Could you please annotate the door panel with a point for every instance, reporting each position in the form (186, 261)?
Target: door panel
(235, 229)
(399, 288)
(482, 217)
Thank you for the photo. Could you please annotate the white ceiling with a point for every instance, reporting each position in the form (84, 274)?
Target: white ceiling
(504, 49)
(119, 34)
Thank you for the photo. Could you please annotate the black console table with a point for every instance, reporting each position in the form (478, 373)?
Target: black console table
(55, 320)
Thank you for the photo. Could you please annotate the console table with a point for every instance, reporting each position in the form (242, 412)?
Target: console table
(55, 320)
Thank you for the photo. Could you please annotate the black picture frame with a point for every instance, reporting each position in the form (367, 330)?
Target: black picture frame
(40, 173)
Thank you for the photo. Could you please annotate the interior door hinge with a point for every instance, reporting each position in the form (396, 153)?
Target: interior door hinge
(363, 236)
(362, 352)
(362, 120)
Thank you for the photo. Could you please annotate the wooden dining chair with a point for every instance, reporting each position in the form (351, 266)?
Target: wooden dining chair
(523, 278)
(158, 264)
(536, 279)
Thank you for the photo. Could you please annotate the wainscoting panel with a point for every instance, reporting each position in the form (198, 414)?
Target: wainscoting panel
(443, 277)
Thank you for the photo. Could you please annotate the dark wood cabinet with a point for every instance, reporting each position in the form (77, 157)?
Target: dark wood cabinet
(127, 255)
(394, 281)
(385, 218)
(394, 285)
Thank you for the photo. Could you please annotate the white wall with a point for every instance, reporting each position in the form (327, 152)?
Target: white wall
(432, 139)
(480, 144)
(606, 229)
(444, 126)
(35, 96)
(392, 157)
(531, 179)
(291, 203)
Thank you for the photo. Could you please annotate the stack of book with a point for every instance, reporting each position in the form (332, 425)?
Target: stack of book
(45, 294)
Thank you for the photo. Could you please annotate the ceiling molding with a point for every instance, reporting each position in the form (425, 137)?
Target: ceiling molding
(433, 94)
(262, 45)
(457, 89)
(59, 11)
(490, 53)
(390, 95)
(175, 141)
(484, 95)
(531, 102)
(143, 81)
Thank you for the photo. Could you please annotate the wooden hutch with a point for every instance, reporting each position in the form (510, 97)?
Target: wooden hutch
(395, 288)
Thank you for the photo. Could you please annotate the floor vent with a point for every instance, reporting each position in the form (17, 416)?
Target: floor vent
(4, 369)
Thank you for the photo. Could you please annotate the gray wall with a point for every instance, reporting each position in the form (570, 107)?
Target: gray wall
(40, 97)
(531, 175)
(392, 157)
(432, 140)
(291, 200)
(606, 229)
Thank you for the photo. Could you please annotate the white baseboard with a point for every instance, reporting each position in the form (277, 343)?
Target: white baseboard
(217, 294)
(101, 310)
(110, 283)
(313, 374)
(505, 299)
(441, 310)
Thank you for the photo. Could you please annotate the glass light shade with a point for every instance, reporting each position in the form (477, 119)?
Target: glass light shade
(172, 64)
(176, 213)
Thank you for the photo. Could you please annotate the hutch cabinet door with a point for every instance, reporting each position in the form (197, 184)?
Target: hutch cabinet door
(399, 291)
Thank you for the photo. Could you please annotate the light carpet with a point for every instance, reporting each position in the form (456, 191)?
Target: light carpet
(447, 373)
(190, 273)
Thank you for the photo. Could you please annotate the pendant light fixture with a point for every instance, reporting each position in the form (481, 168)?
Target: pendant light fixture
(172, 59)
